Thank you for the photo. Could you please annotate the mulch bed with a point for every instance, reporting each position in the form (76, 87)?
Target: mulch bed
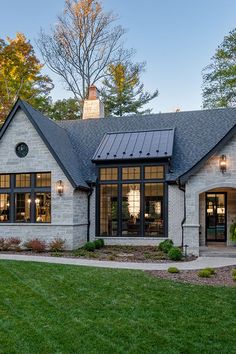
(222, 277)
(146, 254)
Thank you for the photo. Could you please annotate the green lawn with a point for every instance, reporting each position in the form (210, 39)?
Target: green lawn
(46, 308)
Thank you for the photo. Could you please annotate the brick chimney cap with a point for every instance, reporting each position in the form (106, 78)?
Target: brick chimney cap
(93, 93)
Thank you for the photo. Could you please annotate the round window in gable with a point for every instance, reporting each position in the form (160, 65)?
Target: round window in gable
(22, 149)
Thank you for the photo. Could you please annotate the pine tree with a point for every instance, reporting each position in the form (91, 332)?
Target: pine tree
(123, 93)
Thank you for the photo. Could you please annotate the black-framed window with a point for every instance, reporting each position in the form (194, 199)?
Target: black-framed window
(108, 209)
(154, 172)
(129, 173)
(134, 203)
(23, 199)
(4, 181)
(22, 207)
(43, 179)
(22, 180)
(43, 207)
(4, 207)
(108, 174)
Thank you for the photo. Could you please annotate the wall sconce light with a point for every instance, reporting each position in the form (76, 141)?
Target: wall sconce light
(60, 187)
(223, 164)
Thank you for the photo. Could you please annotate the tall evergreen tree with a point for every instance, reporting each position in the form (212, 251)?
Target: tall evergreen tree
(219, 78)
(123, 93)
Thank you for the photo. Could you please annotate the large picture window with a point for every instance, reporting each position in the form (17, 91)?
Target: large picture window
(130, 209)
(133, 203)
(4, 207)
(43, 207)
(154, 209)
(108, 209)
(25, 198)
(22, 203)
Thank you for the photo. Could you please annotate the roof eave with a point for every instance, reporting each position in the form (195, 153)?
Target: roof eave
(185, 176)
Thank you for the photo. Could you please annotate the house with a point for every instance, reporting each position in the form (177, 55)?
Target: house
(131, 180)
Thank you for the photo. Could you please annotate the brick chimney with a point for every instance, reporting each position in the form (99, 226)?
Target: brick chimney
(93, 106)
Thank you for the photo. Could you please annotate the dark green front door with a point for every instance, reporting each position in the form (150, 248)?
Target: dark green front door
(216, 217)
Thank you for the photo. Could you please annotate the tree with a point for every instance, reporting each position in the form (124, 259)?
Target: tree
(219, 78)
(123, 93)
(82, 45)
(20, 75)
(67, 109)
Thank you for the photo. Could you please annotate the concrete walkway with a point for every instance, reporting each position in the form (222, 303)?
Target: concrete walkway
(201, 262)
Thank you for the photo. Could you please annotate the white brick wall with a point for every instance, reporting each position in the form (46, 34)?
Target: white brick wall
(209, 177)
(175, 214)
(69, 212)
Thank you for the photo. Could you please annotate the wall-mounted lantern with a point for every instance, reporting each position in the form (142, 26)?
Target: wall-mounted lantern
(223, 163)
(60, 187)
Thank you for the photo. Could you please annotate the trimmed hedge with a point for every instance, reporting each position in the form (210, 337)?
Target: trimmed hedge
(173, 270)
(175, 254)
(165, 246)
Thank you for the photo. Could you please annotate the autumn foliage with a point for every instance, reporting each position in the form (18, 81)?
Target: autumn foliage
(20, 74)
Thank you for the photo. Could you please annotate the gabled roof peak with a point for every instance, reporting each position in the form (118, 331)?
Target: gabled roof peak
(55, 138)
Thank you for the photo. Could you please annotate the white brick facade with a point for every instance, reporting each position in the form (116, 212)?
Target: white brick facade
(209, 178)
(69, 212)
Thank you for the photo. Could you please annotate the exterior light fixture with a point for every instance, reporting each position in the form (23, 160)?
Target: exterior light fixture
(223, 164)
(29, 200)
(60, 187)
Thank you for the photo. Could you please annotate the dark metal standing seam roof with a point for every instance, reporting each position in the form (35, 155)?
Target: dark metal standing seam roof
(150, 144)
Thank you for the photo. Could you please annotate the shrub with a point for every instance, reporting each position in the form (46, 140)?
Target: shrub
(175, 254)
(233, 272)
(102, 242)
(234, 277)
(36, 245)
(14, 244)
(173, 270)
(2, 241)
(57, 245)
(211, 270)
(98, 244)
(89, 246)
(79, 252)
(10, 244)
(165, 246)
(204, 273)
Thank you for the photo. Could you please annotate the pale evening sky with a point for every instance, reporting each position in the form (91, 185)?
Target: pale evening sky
(175, 37)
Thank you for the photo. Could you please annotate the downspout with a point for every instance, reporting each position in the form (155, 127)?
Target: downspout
(184, 218)
(88, 211)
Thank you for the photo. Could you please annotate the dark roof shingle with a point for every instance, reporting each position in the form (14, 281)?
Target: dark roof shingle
(196, 133)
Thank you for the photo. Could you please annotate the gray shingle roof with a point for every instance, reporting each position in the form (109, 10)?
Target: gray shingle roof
(196, 133)
(147, 144)
(74, 143)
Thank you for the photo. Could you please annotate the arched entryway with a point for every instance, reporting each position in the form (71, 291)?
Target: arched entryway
(217, 211)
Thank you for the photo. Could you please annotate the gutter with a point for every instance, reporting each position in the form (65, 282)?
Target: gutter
(91, 189)
(184, 218)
